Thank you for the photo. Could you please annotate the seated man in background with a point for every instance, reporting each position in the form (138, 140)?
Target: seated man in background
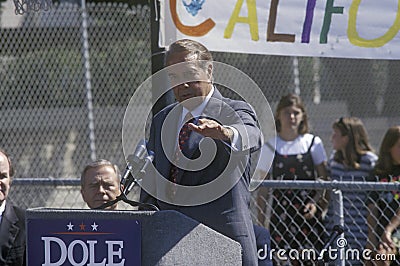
(100, 184)
(12, 226)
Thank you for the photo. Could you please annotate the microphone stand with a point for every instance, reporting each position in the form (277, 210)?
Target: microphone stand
(129, 182)
(337, 231)
(122, 197)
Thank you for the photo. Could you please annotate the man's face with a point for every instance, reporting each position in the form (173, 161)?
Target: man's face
(193, 81)
(100, 185)
(5, 179)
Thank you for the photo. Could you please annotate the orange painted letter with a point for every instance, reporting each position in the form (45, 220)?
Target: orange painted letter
(195, 31)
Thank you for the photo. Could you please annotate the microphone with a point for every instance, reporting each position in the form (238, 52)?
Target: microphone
(134, 172)
(136, 166)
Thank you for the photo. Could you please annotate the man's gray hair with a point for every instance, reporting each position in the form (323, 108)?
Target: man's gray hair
(195, 51)
(99, 163)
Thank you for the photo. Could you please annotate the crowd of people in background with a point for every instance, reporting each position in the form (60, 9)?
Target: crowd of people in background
(371, 219)
(291, 218)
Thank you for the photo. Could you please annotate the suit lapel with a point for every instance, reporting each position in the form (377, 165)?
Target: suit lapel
(8, 230)
(214, 106)
(171, 120)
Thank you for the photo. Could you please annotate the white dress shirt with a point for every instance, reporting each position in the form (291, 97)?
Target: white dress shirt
(2, 208)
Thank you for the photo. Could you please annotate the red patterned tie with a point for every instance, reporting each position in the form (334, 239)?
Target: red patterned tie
(184, 135)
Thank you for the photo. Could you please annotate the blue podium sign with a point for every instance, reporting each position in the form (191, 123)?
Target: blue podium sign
(96, 242)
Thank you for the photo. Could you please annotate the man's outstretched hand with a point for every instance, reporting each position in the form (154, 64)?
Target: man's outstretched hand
(212, 129)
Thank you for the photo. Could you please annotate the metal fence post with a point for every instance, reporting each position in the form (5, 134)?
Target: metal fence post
(338, 218)
(88, 83)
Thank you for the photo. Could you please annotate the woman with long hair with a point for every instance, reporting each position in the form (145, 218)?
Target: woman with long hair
(352, 159)
(296, 213)
(384, 217)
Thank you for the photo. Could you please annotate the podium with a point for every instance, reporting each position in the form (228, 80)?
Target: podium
(98, 237)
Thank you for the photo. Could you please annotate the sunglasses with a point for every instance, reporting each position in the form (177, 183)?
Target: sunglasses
(347, 127)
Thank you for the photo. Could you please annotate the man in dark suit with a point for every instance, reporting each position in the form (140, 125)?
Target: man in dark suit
(205, 180)
(12, 226)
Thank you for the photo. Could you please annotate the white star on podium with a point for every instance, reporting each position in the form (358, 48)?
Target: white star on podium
(70, 226)
(94, 226)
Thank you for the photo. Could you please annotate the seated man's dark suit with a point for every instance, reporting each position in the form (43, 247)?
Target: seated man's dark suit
(228, 214)
(12, 236)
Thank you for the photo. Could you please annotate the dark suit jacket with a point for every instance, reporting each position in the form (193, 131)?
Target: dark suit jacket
(263, 241)
(229, 213)
(12, 236)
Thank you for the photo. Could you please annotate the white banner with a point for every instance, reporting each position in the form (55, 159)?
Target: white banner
(329, 28)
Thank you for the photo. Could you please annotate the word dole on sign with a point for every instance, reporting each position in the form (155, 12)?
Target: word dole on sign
(87, 251)
(95, 243)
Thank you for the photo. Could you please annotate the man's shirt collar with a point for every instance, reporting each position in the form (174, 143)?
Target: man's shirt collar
(198, 111)
(2, 208)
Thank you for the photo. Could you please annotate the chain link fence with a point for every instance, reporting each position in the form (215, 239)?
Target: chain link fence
(54, 193)
(67, 74)
(351, 204)
(65, 85)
